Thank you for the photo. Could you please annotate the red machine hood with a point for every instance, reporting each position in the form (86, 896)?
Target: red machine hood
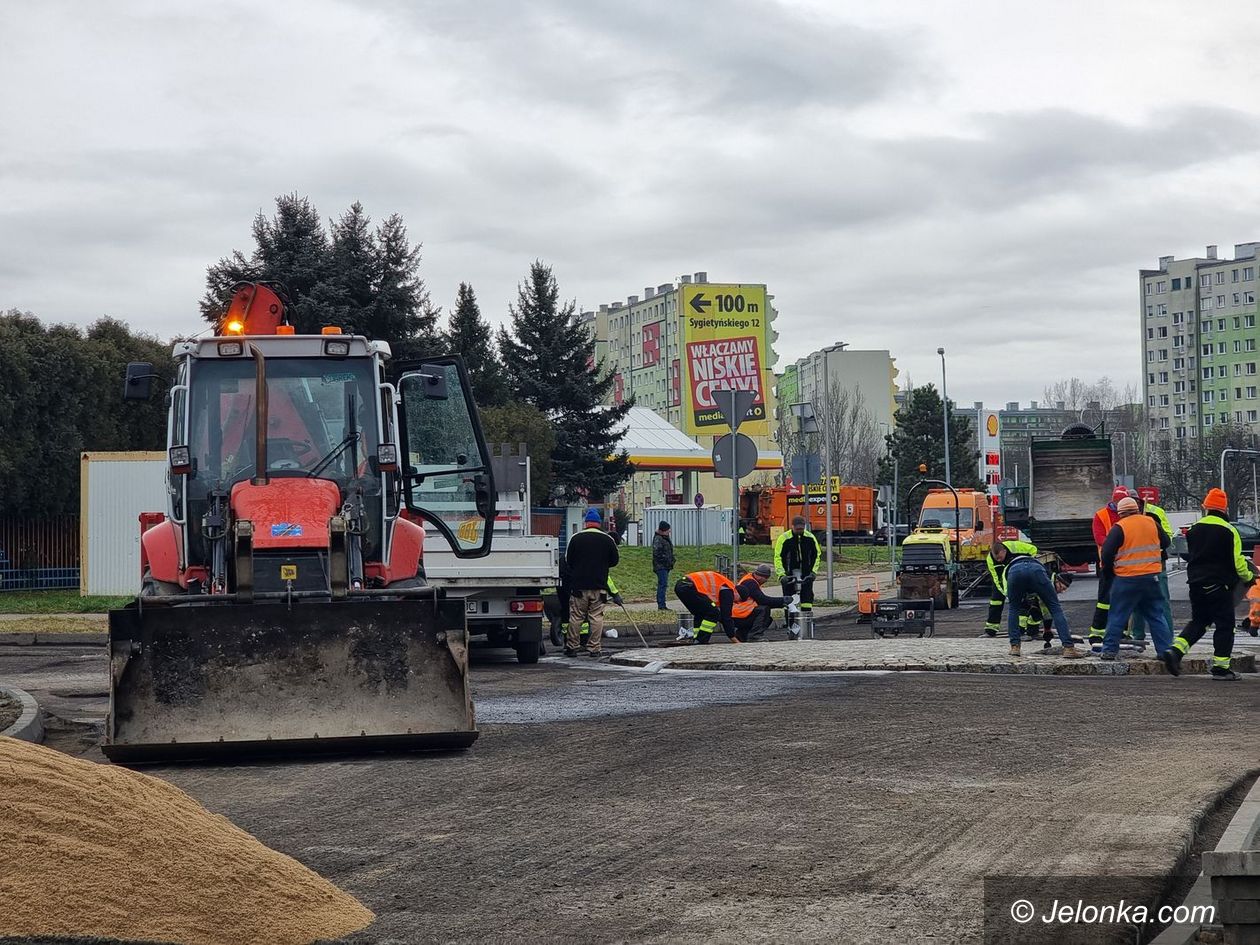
(287, 513)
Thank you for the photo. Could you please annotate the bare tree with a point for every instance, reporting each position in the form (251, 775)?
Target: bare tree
(1076, 394)
(855, 438)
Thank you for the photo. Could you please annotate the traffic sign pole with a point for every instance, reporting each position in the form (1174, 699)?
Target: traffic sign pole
(734, 405)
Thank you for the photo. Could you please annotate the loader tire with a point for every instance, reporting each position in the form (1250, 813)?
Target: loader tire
(528, 653)
(152, 587)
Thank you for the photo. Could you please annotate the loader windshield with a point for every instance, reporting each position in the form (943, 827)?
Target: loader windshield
(321, 419)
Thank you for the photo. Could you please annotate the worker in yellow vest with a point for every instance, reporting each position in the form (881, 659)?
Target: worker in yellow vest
(1132, 557)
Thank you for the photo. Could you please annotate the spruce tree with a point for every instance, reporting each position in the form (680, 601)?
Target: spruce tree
(551, 365)
(919, 439)
(468, 335)
(402, 313)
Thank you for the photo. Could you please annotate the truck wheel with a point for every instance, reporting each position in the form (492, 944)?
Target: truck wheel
(529, 652)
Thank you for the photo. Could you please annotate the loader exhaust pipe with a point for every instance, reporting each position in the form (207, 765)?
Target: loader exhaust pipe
(260, 405)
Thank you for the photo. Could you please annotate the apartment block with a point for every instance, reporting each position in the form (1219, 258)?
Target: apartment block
(1199, 342)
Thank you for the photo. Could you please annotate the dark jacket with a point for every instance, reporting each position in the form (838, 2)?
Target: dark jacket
(662, 553)
(1214, 551)
(749, 588)
(591, 554)
(797, 552)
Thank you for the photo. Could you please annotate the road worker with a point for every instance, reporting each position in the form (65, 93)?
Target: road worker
(1025, 575)
(715, 600)
(1132, 557)
(796, 555)
(1215, 568)
(591, 554)
(1104, 519)
(1161, 519)
(997, 577)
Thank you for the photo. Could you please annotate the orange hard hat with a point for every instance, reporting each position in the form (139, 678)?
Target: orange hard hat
(1217, 500)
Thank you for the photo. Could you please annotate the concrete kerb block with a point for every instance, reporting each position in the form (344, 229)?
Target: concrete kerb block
(1232, 863)
(29, 726)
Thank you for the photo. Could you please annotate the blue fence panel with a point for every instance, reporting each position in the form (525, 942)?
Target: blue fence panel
(38, 579)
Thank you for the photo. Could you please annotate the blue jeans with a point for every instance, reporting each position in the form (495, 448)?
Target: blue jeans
(662, 577)
(1029, 577)
(1137, 626)
(1141, 595)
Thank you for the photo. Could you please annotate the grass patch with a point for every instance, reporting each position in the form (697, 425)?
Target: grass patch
(56, 602)
(53, 625)
(637, 581)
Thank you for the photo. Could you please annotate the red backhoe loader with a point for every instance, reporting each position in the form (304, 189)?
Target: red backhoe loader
(282, 605)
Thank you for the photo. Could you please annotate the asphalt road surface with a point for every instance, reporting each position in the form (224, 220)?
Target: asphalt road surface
(603, 805)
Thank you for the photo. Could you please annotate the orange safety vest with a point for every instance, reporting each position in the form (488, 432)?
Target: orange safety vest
(1139, 554)
(710, 584)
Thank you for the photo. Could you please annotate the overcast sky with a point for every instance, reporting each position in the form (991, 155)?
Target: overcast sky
(985, 175)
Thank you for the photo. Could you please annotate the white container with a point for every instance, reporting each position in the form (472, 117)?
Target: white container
(114, 489)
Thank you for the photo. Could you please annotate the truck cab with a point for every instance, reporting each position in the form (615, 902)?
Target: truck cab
(971, 522)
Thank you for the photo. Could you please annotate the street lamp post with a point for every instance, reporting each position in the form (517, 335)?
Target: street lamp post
(945, 415)
(838, 346)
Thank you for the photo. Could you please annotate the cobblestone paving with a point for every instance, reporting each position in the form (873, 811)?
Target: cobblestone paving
(933, 654)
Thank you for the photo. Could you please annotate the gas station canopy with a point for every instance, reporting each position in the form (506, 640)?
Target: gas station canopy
(655, 445)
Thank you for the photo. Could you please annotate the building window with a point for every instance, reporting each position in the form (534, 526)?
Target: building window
(1163, 400)
(1220, 277)
(1179, 364)
(1222, 417)
(1161, 309)
(1237, 393)
(1150, 355)
(1251, 416)
(1220, 324)
(1179, 341)
(1206, 327)
(1206, 304)
(1237, 298)
(1238, 416)
(1207, 351)
(1251, 367)
(1237, 346)
(1150, 287)
(1237, 321)
(1179, 387)
(1251, 393)
(1207, 397)
(1207, 419)
(1207, 374)
(1249, 321)
(1176, 284)
(1163, 423)
(1249, 273)
(1222, 396)
(1223, 371)
(1220, 301)
(1163, 377)
(1249, 298)
(1161, 332)
(1220, 347)
(1178, 318)
(1150, 401)
(1163, 354)
(1233, 275)
(1161, 287)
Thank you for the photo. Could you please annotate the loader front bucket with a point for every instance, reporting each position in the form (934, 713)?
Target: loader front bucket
(222, 681)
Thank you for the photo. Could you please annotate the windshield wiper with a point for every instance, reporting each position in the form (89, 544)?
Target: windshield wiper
(333, 454)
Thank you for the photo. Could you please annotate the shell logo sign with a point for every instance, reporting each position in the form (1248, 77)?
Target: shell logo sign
(991, 425)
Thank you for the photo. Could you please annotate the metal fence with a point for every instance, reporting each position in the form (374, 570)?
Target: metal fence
(39, 553)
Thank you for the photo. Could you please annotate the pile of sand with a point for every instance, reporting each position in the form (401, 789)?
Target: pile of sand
(93, 850)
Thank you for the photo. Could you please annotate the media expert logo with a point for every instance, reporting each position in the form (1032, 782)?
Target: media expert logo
(731, 363)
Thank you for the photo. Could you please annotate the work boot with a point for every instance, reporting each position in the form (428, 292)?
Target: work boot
(990, 631)
(1108, 656)
(1015, 649)
(1072, 653)
(1172, 660)
(1222, 673)
(595, 654)
(570, 651)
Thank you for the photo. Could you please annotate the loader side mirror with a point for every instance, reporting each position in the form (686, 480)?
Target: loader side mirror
(139, 383)
(180, 458)
(483, 495)
(434, 387)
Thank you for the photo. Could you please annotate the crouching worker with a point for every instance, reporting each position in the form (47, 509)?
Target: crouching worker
(714, 600)
(997, 576)
(1025, 575)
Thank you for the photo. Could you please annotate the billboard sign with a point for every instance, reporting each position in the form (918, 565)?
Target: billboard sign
(990, 452)
(724, 338)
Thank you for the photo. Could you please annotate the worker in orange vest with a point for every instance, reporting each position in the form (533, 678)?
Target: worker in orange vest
(1132, 558)
(1104, 519)
(714, 599)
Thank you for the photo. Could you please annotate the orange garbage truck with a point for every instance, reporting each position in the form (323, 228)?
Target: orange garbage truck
(853, 511)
